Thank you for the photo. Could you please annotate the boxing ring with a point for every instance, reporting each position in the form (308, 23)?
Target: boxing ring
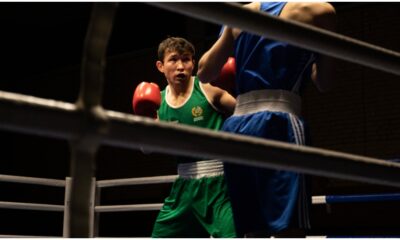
(87, 125)
(95, 195)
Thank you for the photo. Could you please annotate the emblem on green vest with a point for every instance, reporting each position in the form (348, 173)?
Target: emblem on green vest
(197, 113)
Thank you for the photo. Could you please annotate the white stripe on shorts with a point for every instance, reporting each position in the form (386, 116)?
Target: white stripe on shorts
(298, 130)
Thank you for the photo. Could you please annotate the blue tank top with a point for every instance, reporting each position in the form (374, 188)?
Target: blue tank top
(268, 64)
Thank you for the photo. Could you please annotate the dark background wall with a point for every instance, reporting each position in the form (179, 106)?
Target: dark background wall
(41, 47)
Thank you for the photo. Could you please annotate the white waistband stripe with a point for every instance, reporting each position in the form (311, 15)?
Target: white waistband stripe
(268, 100)
(206, 168)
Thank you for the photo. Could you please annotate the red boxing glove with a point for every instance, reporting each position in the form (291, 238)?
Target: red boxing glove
(146, 99)
(227, 75)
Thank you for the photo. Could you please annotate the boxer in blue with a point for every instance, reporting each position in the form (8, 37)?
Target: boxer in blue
(270, 77)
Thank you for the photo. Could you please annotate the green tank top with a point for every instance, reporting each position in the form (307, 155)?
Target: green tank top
(196, 111)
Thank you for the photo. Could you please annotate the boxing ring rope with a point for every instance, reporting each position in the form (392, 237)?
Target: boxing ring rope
(35, 181)
(136, 181)
(32, 180)
(32, 206)
(39, 206)
(61, 120)
(326, 199)
(99, 184)
(356, 198)
(316, 200)
(295, 33)
(87, 125)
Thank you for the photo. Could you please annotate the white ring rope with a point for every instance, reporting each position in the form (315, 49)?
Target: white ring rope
(31, 206)
(153, 206)
(129, 207)
(25, 236)
(135, 181)
(126, 130)
(295, 33)
(32, 180)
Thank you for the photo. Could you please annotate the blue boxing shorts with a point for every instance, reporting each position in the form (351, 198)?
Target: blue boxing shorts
(267, 199)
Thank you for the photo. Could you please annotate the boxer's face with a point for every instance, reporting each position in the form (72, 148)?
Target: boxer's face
(177, 67)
